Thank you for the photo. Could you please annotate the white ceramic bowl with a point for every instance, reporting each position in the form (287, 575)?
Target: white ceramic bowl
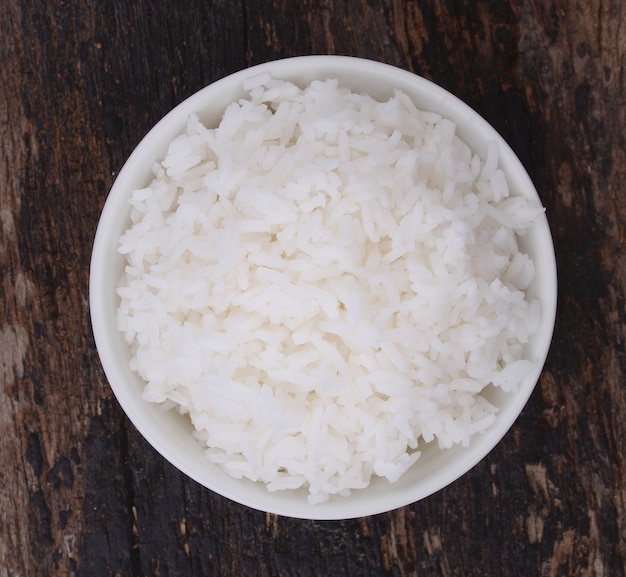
(169, 433)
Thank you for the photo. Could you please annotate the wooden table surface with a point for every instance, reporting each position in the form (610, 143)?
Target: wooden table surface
(81, 492)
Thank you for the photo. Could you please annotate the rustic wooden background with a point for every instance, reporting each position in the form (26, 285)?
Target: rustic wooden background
(81, 493)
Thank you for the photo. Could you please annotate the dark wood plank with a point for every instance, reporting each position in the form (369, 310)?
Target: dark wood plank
(81, 493)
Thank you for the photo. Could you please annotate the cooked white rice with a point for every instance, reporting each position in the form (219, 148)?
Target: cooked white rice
(325, 283)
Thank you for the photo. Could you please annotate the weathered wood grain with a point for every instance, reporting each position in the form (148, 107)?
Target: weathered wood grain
(81, 493)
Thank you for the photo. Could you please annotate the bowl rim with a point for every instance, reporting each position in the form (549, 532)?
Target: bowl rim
(359, 73)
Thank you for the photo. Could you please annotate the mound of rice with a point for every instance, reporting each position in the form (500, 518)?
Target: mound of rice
(325, 283)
